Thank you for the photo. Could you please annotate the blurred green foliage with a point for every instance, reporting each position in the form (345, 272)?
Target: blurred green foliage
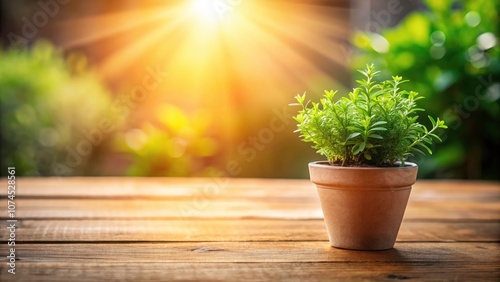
(174, 144)
(450, 53)
(47, 102)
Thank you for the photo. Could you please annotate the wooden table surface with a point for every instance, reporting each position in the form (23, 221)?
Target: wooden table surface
(163, 229)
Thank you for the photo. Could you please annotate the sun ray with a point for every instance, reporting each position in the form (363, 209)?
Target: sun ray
(300, 35)
(95, 28)
(287, 59)
(123, 57)
(289, 47)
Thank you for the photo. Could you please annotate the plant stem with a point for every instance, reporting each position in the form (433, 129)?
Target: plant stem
(419, 140)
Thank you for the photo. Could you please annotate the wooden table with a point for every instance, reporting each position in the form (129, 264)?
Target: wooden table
(161, 229)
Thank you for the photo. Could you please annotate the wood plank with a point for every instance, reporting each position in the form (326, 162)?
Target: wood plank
(215, 208)
(160, 187)
(122, 187)
(255, 252)
(232, 230)
(91, 270)
(156, 209)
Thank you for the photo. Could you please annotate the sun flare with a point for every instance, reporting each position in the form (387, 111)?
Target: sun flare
(205, 11)
(221, 54)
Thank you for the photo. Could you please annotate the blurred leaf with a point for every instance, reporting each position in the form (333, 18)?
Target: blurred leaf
(439, 6)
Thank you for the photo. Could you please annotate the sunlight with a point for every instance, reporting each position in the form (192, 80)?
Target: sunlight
(206, 11)
(238, 51)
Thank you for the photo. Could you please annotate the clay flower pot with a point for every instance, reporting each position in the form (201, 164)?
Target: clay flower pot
(363, 206)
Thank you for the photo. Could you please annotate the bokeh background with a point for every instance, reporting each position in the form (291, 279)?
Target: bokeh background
(201, 87)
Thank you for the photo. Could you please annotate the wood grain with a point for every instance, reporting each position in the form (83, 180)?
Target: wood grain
(215, 208)
(233, 230)
(225, 188)
(251, 252)
(94, 270)
(161, 187)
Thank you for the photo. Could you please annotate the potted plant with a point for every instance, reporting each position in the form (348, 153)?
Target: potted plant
(366, 137)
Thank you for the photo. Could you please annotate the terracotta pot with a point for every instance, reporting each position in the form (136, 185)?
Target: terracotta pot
(363, 206)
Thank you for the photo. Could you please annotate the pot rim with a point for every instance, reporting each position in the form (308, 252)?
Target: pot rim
(325, 175)
(326, 165)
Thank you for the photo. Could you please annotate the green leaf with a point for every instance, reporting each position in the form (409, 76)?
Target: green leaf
(418, 150)
(355, 149)
(427, 140)
(436, 136)
(427, 148)
(355, 134)
(361, 146)
(378, 129)
(432, 121)
(379, 123)
(416, 110)
(358, 148)
(367, 156)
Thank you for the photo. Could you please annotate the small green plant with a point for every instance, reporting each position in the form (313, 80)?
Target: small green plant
(376, 125)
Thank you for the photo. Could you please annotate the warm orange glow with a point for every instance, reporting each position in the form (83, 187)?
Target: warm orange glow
(247, 34)
(231, 57)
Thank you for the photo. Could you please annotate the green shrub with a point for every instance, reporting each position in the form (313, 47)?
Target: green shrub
(46, 103)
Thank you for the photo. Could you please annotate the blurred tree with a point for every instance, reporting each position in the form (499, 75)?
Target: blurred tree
(450, 53)
(55, 114)
(174, 144)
